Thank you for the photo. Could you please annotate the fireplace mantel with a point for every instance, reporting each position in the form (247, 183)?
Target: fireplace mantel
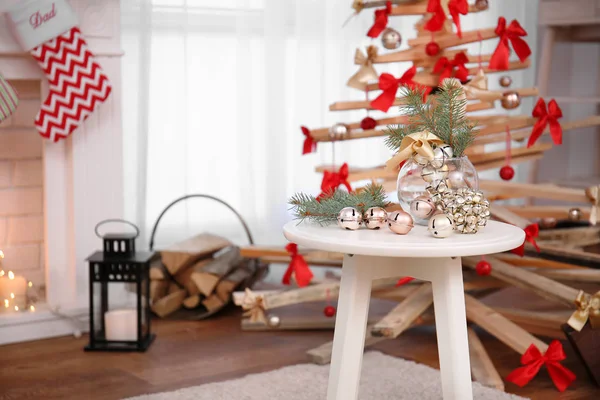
(83, 176)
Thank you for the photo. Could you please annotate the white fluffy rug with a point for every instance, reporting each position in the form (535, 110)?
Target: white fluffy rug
(383, 378)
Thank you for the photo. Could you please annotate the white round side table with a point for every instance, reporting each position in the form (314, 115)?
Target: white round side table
(379, 254)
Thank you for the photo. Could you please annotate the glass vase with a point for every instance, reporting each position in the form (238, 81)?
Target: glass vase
(454, 173)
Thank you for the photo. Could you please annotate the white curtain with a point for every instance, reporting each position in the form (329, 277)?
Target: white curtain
(215, 92)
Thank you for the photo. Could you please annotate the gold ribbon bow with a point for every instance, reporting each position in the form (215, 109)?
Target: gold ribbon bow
(415, 143)
(477, 88)
(254, 307)
(366, 72)
(593, 193)
(588, 307)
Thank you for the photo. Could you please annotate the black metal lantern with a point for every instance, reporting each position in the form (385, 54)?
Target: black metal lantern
(119, 322)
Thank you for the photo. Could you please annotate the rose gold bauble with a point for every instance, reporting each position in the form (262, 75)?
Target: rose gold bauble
(548, 223)
(400, 222)
(505, 81)
(574, 214)
(511, 100)
(481, 4)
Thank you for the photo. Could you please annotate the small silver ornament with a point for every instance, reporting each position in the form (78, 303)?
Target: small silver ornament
(400, 222)
(481, 5)
(440, 225)
(349, 218)
(375, 218)
(338, 131)
(274, 321)
(391, 39)
(440, 154)
(505, 81)
(422, 207)
(510, 100)
(430, 173)
(574, 214)
(421, 160)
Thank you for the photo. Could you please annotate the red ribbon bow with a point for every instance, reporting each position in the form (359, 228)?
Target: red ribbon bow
(545, 117)
(309, 143)
(381, 20)
(532, 360)
(404, 280)
(531, 232)
(513, 33)
(298, 267)
(436, 22)
(331, 181)
(389, 85)
(445, 67)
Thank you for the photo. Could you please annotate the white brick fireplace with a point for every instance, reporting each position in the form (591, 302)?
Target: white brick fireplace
(53, 194)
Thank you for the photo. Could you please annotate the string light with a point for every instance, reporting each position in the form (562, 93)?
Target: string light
(12, 295)
(2, 272)
(30, 284)
(31, 308)
(1, 254)
(16, 308)
(11, 275)
(6, 303)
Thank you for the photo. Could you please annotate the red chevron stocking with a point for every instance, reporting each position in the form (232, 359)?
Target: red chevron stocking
(77, 84)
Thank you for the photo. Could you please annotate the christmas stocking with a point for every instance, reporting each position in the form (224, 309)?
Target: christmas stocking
(8, 99)
(48, 30)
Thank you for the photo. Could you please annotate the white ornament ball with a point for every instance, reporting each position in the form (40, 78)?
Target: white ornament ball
(400, 222)
(375, 218)
(338, 131)
(274, 321)
(440, 226)
(349, 218)
(430, 173)
(391, 39)
(422, 207)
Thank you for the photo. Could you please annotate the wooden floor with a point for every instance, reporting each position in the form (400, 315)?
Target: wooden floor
(192, 353)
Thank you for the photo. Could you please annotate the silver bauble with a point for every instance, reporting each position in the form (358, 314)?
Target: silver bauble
(510, 100)
(375, 218)
(338, 131)
(440, 226)
(391, 39)
(430, 174)
(481, 5)
(574, 214)
(419, 159)
(349, 218)
(274, 321)
(505, 81)
(400, 222)
(422, 207)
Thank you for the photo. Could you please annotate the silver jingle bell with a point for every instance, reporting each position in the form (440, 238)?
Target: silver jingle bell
(422, 207)
(349, 218)
(440, 226)
(400, 222)
(338, 131)
(574, 214)
(274, 321)
(511, 100)
(430, 174)
(440, 154)
(505, 81)
(419, 159)
(375, 218)
(391, 39)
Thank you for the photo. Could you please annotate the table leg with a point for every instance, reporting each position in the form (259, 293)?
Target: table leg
(451, 327)
(350, 327)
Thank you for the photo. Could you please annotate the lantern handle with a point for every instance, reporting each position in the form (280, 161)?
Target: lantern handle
(106, 221)
(205, 196)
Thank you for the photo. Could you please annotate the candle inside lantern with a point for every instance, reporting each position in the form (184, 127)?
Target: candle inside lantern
(13, 287)
(121, 325)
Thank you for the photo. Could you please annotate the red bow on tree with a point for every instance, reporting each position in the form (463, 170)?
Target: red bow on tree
(436, 22)
(545, 117)
(404, 280)
(390, 86)
(298, 267)
(331, 181)
(445, 67)
(381, 20)
(513, 33)
(309, 143)
(531, 232)
(532, 360)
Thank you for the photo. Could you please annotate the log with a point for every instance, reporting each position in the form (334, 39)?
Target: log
(207, 278)
(213, 302)
(184, 277)
(226, 287)
(158, 290)
(186, 253)
(158, 272)
(191, 302)
(173, 287)
(482, 367)
(169, 304)
(403, 315)
(503, 329)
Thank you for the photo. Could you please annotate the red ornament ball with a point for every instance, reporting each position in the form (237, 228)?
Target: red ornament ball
(483, 268)
(368, 123)
(329, 311)
(432, 49)
(507, 172)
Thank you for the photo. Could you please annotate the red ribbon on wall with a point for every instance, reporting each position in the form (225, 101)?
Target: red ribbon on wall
(531, 232)
(532, 360)
(445, 67)
(309, 143)
(298, 267)
(331, 181)
(436, 22)
(389, 85)
(512, 34)
(545, 117)
(381, 20)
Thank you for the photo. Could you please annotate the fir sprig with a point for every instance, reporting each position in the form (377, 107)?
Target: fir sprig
(326, 210)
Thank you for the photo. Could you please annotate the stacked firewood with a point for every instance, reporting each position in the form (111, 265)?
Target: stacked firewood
(198, 275)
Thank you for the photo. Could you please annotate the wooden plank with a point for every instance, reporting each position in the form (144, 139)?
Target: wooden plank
(537, 262)
(514, 161)
(482, 367)
(558, 212)
(403, 315)
(366, 104)
(429, 79)
(505, 215)
(534, 190)
(322, 355)
(545, 319)
(451, 40)
(322, 134)
(503, 329)
(571, 275)
(514, 151)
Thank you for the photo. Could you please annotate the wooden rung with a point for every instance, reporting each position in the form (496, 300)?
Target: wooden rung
(558, 212)
(421, 9)
(451, 40)
(537, 262)
(322, 134)
(570, 275)
(517, 122)
(505, 215)
(482, 367)
(514, 161)
(322, 355)
(366, 104)
(514, 151)
(502, 328)
(534, 190)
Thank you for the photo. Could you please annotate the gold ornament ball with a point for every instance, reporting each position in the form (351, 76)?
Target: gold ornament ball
(400, 222)
(505, 81)
(349, 218)
(548, 223)
(481, 4)
(440, 225)
(511, 100)
(375, 218)
(391, 39)
(574, 214)
(274, 321)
